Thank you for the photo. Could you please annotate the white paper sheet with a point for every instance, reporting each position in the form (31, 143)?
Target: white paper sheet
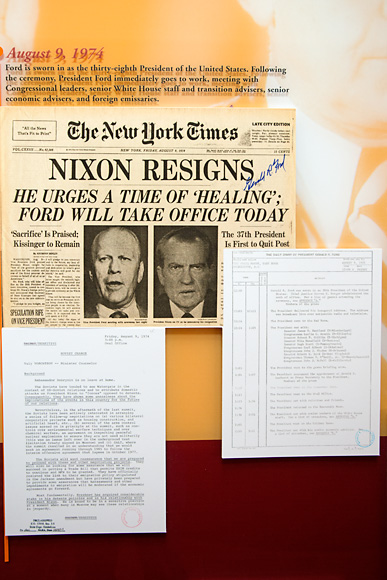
(301, 353)
(84, 430)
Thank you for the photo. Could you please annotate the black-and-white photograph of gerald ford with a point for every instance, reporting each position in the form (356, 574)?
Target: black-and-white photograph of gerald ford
(185, 272)
(115, 272)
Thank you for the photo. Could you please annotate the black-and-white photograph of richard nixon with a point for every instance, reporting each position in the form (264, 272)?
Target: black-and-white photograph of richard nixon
(185, 273)
(115, 272)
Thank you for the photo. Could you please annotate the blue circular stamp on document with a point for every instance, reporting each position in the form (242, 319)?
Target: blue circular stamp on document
(364, 437)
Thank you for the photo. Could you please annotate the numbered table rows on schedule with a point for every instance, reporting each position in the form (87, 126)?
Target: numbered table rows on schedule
(298, 344)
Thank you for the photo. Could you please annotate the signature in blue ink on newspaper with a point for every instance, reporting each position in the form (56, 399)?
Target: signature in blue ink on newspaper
(272, 168)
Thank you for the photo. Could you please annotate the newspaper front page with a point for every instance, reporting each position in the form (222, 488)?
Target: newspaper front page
(113, 216)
